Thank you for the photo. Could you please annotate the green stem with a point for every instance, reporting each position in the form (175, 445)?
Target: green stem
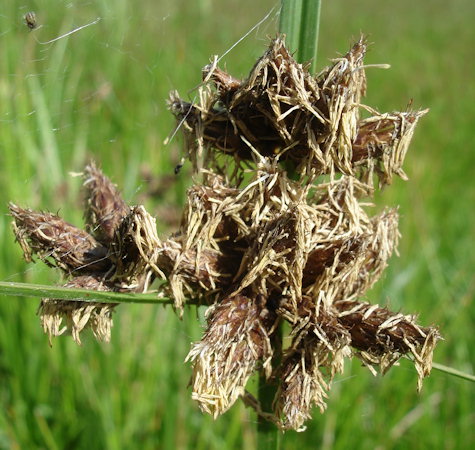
(310, 26)
(84, 295)
(453, 372)
(299, 21)
(268, 435)
(290, 23)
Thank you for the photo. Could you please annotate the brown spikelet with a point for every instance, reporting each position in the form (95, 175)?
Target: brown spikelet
(105, 207)
(382, 337)
(235, 342)
(342, 86)
(302, 387)
(56, 242)
(382, 143)
(134, 250)
(197, 275)
(319, 346)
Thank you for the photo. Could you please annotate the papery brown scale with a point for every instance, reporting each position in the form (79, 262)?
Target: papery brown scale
(321, 258)
(225, 83)
(315, 321)
(366, 333)
(373, 136)
(105, 208)
(57, 242)
(211, 269)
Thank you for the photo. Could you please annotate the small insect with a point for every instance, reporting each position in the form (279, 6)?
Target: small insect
(179, 166)
(30, 20)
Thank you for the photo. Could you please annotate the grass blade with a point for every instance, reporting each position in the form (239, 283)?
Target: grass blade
(300, 22)
(290, 23)
(84, 295)
(308, 39)
(453, 372)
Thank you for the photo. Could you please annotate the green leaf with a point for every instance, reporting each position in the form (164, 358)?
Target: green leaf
(290, 23)
(308, 38)
(84, 295)
(300, 22)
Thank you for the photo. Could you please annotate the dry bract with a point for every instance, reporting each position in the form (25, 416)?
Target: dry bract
(274, 230)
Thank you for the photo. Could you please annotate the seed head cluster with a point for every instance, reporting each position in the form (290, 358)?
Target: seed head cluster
(102, 258)
(275, 235)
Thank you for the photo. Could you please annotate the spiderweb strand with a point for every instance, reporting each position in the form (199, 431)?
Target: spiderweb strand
(71, 32)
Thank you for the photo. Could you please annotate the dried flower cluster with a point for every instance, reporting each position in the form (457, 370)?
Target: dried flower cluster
(268, 247)
(103, 258)
(274, 230)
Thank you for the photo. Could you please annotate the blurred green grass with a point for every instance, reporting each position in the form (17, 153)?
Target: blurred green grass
(101, 93)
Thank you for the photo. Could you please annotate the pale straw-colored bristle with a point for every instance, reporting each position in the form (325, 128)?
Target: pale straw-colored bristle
(59, 316)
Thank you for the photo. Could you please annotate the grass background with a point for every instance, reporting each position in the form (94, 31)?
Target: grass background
(101, 93)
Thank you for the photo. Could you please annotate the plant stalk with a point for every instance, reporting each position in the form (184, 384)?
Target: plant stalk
(300, 22)
(83, 295)
(308, 39)
(268, 435)
(290, 23)
(453, 372)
